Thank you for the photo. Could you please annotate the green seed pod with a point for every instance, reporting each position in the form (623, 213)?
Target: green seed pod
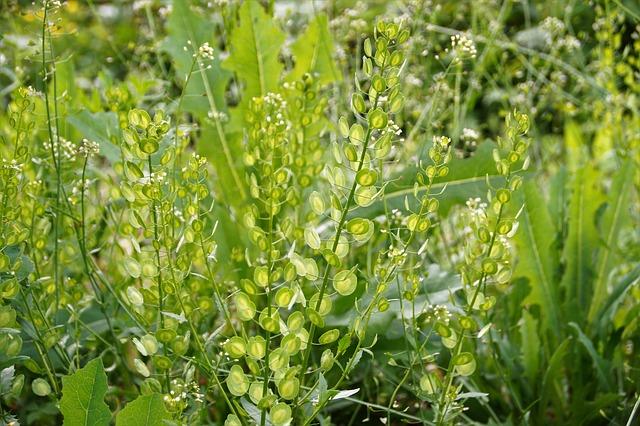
(312, 238)
(237, 381)
(41, 387)
(503, 195)
(343, 125)
(295, 322)
(326, 360)
(315, 318)
(345, 282)
(366, 177)
(278, 360)
(359, 226)
(358, 104)
(290, 344)
(162, 362)
(367, 47)
(256, 347)
(378, 83)
(261, 276)
(383, 305)
(356, 136)
(329, 337)
(280, 414)
(283, 297)
(396, 58)
(484, 235)
(165, 335)
(378, 118)
(489, 266)
(232, 420)
(325, 306)
(429, 383)
(403, 36)
(504, 227)
(288, 388)
(245, 307)
(465, 364)
(235, 347)
(317, 203)
(134, 295)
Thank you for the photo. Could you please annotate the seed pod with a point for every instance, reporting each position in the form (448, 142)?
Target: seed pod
(358, 104)
(465, 364)
(345, 282)
(237, 381)
(329, 337)
(378, 118)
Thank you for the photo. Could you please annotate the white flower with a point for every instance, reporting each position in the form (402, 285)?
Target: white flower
(205, 51)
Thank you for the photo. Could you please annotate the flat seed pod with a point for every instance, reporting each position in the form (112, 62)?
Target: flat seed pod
(288, 388)
(245, 307)
(345, 282)
(257, 347)
(329, 336)
(312, 238)
(235, 347)
(465, 364)
(237, 381)
(132, 267)
(278, 360)
(280, 414)
(317, 203)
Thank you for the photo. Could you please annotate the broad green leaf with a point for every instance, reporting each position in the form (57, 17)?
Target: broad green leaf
(100, 127)
(467, 178)
(552, 383)
(83, 392)
(146, 410)
(537, 260)
(255, 46)
(530, 346)
(204, 97)
(312, 53)
(615, 216)
(187, 32)
(602, 367)
(574, 145)
(605, 317)
(582, 239)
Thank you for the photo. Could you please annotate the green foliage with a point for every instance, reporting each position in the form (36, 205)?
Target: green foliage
(145, 410)
(296, 213)
(83, 393)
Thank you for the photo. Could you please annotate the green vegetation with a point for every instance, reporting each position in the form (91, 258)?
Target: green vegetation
(321, 212)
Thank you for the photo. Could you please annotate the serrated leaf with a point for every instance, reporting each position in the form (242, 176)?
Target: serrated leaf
(615, 216)
(83, 392)
(146, 410)
(205, 93)
(312, 53)
(255, 46)
(537, 261)
(582, 239)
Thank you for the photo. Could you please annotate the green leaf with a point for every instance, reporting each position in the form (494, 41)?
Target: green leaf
(255, 46)
(205, 93)
(467, 178)
(190, 30)
(146, 410)
(582, 239)
(537, 261)
(603, 369)
(312, 53)
(530, 347)
(552, 383)
(83, 394)
(99, 127)
(615, 216)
